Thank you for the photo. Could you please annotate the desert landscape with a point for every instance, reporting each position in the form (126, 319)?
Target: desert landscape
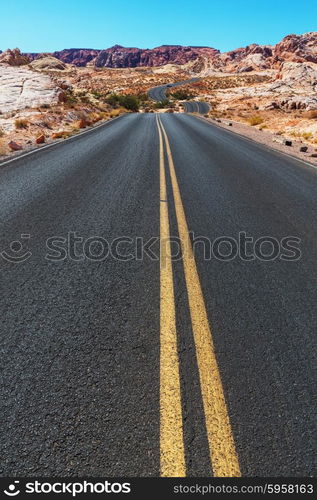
(51, 96)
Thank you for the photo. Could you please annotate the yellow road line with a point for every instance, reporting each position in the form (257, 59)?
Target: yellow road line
(172, 454)
(221, 443)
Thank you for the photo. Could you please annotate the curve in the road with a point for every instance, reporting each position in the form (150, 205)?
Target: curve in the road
(159, 94)
(200, 107)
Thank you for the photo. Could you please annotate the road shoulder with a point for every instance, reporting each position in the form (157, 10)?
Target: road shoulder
(266, 139)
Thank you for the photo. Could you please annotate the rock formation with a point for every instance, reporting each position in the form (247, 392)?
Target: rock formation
(123, 57)
(48, 63)
(297, 48)
(293, 48)
(22, 87)
(13, 58)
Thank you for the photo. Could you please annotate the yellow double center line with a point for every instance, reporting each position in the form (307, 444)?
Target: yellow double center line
(223, 455)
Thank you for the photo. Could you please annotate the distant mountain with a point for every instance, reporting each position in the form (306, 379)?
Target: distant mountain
(131, 57)
(293, 48)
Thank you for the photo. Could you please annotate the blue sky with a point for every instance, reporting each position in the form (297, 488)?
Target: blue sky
(43, 26)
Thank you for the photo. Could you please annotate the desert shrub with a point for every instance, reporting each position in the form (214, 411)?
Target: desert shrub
(1, 132)
(182, 95)
(3, 148)
(46, 124)
(112, 99)
(255, 120)
(162, 104)
(62, 134)
(97, 95)
(45, 106)
(116, 112)
(85, 99)
(143, 97)
(69, 98)
(129, 102)
(21, 123)
(307, 135)
(103, 115)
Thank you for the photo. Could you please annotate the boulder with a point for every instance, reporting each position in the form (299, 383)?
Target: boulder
(14, 146)
(40, 139)
(82, 123)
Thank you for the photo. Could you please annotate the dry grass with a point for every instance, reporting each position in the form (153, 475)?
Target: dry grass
(95, 117)
(62, 134)
(255, 120)
(21, 123)
(3, 147)
(117, 112)
(307, 135)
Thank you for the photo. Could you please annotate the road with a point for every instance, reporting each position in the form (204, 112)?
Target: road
(137, 364)
(159, 93)
(196, 107)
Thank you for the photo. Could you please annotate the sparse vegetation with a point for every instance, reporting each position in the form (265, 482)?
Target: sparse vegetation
(62, 134)
(162, 104)
(129, 102)
(70, 99)
(182, 95)
(116, 112)
(46, 124)
(21, 123)
(255, 120)
(307, 135)
(3, 148)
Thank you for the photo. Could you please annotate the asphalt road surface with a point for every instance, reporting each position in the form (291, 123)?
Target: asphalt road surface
(196, 107)
(137, 364)
(159, 93)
